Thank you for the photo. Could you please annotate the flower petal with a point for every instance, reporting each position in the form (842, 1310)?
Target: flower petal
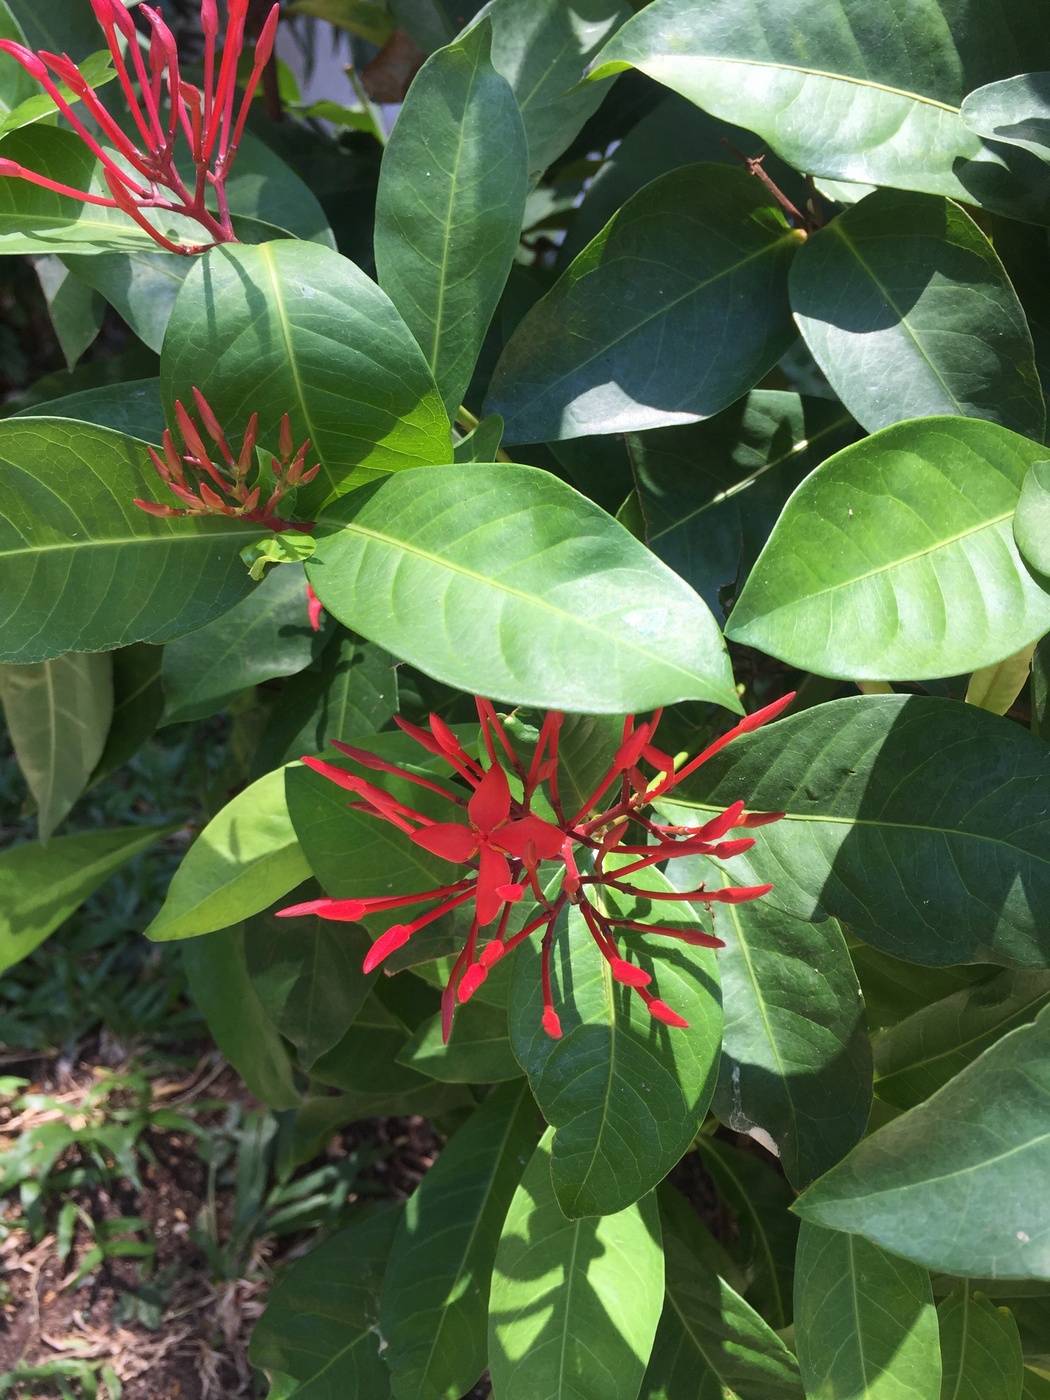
(490, 805)
(450, 840)
(494, 872)
(513, 837)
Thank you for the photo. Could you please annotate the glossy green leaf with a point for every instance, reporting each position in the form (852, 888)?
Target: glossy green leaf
(141, 286)
(307, 974)
(245, 859)
(75, 309)
(908, 311)
(450, 206)
(710, 1342)
(865, 1321)
(889, 798)
(796, 1060)
(138, 703)
(705, 251)
(854, 90)
(895, 560)
(40, 888)
(1016, 110)
(320, 1322)
(133, 408)
(1032, 520)
(217, 973)
(574, 1303)
(81, 567)
(711, 492)
(542, 51)
(266, 635)
(478, 1050)
(290, 327)
(949, 1183)
(923, 1052)
(264, 189)
(502, 581)
(58, 715)
(625, 1093)
(980, 1348)
(434, 1305)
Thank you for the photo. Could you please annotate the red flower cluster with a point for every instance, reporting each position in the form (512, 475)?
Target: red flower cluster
(503, 843)
(145, 176)
(233, 495)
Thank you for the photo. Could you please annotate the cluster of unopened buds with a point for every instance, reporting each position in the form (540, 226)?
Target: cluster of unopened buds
(143, 174)
(502, 843)
(229, 492)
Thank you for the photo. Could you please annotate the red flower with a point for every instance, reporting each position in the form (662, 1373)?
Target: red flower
(206, 118)
(502, 843)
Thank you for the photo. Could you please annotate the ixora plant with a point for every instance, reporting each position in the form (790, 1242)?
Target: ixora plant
(595, 377)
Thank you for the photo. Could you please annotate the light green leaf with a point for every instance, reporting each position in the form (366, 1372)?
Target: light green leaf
(81, 567)
(58, 715)
(482, 443)
(981, 1349)
(1016, 110)
(141, 286)
(291, 327)
(949, 1184)
(865, 1321)
(574, 1304)
(450, 206)
(1032, 520)
(40, 888)
(503, 581)
(895, 560)
(245, 859)
(995, 688)
(76, 310)
(434, 1305)
(705, 251)
(478, 1049)
(909, 313)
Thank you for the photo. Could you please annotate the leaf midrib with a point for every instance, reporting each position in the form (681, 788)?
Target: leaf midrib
(114, 541)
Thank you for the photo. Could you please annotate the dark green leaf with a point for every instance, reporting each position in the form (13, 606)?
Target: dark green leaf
(1032, 519)
(265, 189)
(81, 567)
(320, 1323)
(949, 1183)
(434, 1306)
(138, 703)
(711, 492)
(76, 310)
(366, 18)
(980, 1348)
(133, 408)
(865, 1321)
(478, 1050)
(141, 286)
(69, 27)
(503, 581)
(1016, 110)
(290, 327)
(245, 859)
(895, 560)
(580, 1299)
(894, 989)
(705, 252)
(909, 313)
(58, 715)
(450, 206)
(364, 1062)
(891, 798)
(625, 1093)
(266, 635)
(40, 888)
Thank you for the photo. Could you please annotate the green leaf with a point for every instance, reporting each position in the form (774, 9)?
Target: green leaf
(923, 1052)
(290, 327)
(482, 443)
(266, 635)
(478, 1050)
(625, 1094)
(66, 28)
(58, 715)
(909, 313)
(138, 703)
(1032, 520)
(264, 189)
(574, 1303)
(1036, 1385)
(895, 560)
(796, 1060)
(711, 492)
(40, 888)
(995, 688)
(76, 311)
(15, 83)
(307, 974)
(96, 69)
(981, 1349)
(503, 581)
(1016, 110)
(320, 1322)
(219, 983)
(141, 286)
(365, 18)
(542, 50)
(434, 1305)
(710, 1342)
(949, 1183)
(81, 567)
(133, 408)
(852, 90)
(705, 251)
(245, 859)
(364, 1061)
(865, 1321)
(450, 206)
